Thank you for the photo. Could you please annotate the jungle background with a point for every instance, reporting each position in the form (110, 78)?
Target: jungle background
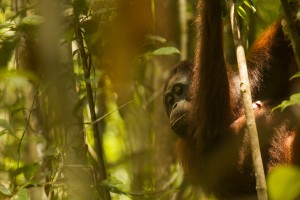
(81, 82)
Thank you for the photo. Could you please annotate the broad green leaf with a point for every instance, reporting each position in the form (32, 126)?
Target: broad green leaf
(30, 170)
(16, 74)
(33, 20)
(3, 132)
(295, 98)
(5, 124)
(284, 183)
(16, 111)
(4, 190)
(164, 51)
(6, 25)
(21, 195)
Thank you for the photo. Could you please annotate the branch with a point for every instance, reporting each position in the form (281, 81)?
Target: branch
(261, 186)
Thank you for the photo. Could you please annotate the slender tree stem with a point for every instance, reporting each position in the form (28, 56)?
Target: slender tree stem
(183, 30)
(261, 186)
(97, 135)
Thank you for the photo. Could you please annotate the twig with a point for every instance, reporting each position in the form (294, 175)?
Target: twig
(107, 114)
(27, 123)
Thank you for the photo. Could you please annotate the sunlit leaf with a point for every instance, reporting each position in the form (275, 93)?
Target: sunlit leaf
(6, 25)
(295, 98)
(243, 13)
(23, 10)
(21, 195)
(51, 151)
(3, 132)
(157, 38)
(75, 52)
(5, 124)
(284, 183)
(297, 75)
(16, 111)
(164, 51)
(113, 185)
(6, 51)
(4, 190)
(30, 170)
(33, 20)
(247, 3)
(283, 105)
(102, 11)
(11, 74)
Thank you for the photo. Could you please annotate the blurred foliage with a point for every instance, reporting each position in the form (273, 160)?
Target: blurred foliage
(130, 47)
(283, 183)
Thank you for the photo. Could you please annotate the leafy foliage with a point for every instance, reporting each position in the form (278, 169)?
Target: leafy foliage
(283, 183)
(128, 59)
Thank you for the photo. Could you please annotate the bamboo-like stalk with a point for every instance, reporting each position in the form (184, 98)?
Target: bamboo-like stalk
(97, 135)
(261, 186)
(183, 30)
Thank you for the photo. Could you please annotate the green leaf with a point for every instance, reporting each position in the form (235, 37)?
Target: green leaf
(80, 7)
(51, 151)
(27, 170)
(295, 98)
(4, 190)
(156, 38)
(283, 105)
(297, 75)
(21, 195)
(113, 185)
(6, 51)
(243, 13)
(3, 132)
(33, 20)
(30, 170)
(247, 3)
(6, 25)
(284, 183)
(102, 11)
(69, 34)
(164, 51)
(254, 2)
(5, 124)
